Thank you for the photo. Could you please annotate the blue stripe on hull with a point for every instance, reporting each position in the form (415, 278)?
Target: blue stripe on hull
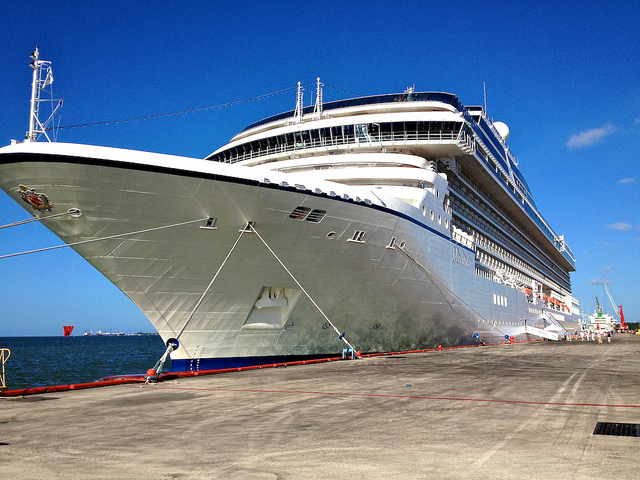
(195, 365)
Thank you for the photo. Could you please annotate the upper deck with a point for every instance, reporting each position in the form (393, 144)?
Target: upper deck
(436, 119)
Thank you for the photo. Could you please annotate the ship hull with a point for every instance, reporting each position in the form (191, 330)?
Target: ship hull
(173, 235)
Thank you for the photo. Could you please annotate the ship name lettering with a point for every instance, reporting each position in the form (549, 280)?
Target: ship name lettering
(460, 257)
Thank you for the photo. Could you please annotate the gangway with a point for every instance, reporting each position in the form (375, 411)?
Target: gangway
(548, 334)
(553, 331)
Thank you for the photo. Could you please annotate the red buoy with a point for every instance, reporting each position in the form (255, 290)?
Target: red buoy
(151, 372)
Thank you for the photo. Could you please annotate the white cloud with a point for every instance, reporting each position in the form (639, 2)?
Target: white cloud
(608, 269)
(628, 181)
(620, 226)
(595, 281)
(590, 137)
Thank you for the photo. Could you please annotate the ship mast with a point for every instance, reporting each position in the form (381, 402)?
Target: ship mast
(42, 77)
(318, 108)
(35, 96)
(297, 115)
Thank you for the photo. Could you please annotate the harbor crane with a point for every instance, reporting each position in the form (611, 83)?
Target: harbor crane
(616, 308)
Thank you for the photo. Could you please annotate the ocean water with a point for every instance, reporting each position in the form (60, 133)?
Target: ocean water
(45, 361)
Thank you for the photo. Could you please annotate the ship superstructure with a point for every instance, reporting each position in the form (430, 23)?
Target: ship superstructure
(397, 221)
(415, 146)
(600, 322)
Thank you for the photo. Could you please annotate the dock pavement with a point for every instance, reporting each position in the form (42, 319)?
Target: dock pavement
(522, 411)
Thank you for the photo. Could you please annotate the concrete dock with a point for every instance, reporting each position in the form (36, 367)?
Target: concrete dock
(510, 411)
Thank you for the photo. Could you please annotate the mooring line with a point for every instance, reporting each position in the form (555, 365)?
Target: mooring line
(72, 211)
(173, 343)
(341, 336)
(119, 235)
(199, 302)
(434, 279)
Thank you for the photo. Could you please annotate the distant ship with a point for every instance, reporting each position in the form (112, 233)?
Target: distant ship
(381, 223)
(599, 322)
(100, 333)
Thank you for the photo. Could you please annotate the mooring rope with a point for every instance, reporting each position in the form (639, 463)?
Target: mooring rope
(153, 374)
(71, 211)
(173, 343)
(435, 283)
(341, 336)
(119, 235)
(193, 312)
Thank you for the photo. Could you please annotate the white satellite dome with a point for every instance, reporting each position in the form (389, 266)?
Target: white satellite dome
(502, 129)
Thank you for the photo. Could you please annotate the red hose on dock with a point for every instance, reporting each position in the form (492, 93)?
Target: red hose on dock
(128, 379)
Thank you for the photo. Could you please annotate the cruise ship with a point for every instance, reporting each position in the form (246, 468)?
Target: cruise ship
(374, 224)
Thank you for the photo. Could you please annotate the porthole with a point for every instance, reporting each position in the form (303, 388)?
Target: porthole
(331, 235)
(446, 223)
(439, 220)
(431, 215)
(424, 211)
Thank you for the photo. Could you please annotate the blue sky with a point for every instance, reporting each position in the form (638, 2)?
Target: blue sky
(563, 75)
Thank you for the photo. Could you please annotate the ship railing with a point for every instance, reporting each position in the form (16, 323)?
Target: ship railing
(463, 240)
(519, 239)
(488, 245)
(360, 139)
(5, 353)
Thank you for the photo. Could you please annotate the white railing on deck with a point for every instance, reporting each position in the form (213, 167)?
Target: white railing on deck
(362, 140)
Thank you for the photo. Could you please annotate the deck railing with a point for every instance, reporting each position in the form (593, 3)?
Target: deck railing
(307, 140)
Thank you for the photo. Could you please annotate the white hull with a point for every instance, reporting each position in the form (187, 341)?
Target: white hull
(382, 298)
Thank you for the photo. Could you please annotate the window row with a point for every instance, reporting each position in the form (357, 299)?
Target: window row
(340, 135)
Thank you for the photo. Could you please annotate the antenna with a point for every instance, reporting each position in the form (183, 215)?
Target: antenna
(318, 108)
(484, 87)
(297, 115)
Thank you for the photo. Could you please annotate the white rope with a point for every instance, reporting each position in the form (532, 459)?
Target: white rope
(193, 312)
(434, 280)
(71, 211)
(171, 346)
(340, 335)
(120, 235)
